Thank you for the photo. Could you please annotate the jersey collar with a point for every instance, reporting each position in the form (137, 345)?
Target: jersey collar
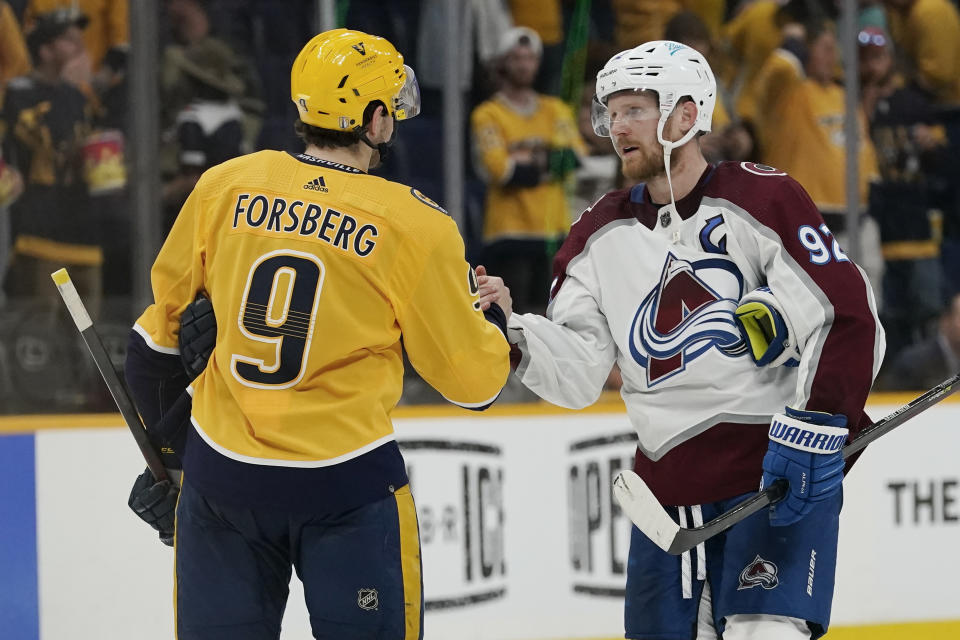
(686, 206)
(320, 162)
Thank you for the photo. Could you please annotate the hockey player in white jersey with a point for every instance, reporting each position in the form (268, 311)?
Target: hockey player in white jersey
(728, 306)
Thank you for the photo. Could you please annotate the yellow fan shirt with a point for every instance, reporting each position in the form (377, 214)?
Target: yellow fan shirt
(810, 145)
(499, 129)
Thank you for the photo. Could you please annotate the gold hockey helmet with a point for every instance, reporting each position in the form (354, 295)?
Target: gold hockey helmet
(339, 72)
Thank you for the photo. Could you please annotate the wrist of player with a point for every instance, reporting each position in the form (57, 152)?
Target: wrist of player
(804, 448)
(766, 329)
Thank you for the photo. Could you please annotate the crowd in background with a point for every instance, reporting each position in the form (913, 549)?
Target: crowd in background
(533, 161)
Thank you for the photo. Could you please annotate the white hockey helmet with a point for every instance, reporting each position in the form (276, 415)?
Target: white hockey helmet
(671, 69)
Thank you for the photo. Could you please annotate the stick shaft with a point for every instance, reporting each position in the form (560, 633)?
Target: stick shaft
(121, 396)
(904, 413)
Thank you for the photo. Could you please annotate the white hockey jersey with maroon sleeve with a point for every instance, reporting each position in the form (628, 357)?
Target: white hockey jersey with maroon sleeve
(656, 294)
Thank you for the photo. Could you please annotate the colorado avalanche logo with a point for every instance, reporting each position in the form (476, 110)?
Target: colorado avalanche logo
(760, 572)
(686, 315)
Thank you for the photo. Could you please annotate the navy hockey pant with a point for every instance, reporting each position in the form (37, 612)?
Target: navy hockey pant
(360, 570)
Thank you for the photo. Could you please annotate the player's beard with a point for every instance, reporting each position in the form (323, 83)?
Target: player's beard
(645, 164)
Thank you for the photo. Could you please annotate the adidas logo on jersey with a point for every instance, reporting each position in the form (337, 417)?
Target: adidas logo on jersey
(317, 184)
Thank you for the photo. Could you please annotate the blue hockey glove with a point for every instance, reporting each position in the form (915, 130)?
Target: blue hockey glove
(804, 449)
(770, 338)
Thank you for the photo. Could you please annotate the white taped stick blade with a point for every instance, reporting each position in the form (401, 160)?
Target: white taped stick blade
(643, 508)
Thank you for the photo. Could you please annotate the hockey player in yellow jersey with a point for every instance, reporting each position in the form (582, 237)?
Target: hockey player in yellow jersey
(315, 270)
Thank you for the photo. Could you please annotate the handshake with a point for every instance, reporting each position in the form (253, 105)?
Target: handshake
(492, 289)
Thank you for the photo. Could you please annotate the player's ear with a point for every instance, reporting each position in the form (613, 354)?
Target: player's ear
(379, 124)
(689, 111)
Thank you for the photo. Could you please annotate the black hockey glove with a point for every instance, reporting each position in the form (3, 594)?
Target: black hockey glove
(155, 503)
(198, 335)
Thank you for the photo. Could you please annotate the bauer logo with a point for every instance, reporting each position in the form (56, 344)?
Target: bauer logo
(458, 488)
(599, 532)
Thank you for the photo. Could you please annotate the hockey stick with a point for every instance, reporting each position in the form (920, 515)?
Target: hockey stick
(116, 386)
(643, 508)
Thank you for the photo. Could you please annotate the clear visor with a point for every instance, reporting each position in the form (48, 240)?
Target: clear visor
(406, 104)
(603, 120)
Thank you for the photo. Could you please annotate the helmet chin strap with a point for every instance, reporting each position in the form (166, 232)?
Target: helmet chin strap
(668, 147)
(383, 148)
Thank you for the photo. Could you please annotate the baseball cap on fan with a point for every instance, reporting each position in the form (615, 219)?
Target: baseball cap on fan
(520, 36)
(49, 26)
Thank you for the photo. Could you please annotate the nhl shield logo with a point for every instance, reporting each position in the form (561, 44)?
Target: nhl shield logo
(360, 48)
(367, 599)
(759, 572)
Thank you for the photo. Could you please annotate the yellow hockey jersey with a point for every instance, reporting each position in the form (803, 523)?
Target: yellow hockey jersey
(498, 131)
(316, 271)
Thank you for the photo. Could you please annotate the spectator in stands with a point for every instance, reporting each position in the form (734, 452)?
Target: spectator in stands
(46, 121)
(927, 34)
(82, 69)
(872, 13)
(526, 145)
(748, 41)
(931, 362)
(209, 127)
(14, 58)
(14, 61)
(645, 20)
(105, 157)
(191, 27)
(211, 106)
(908, 199)
(546, 18)
(108, 28)
(806, 139)
(183, 72)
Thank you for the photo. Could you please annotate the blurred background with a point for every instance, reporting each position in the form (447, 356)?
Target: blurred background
(112, 109)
